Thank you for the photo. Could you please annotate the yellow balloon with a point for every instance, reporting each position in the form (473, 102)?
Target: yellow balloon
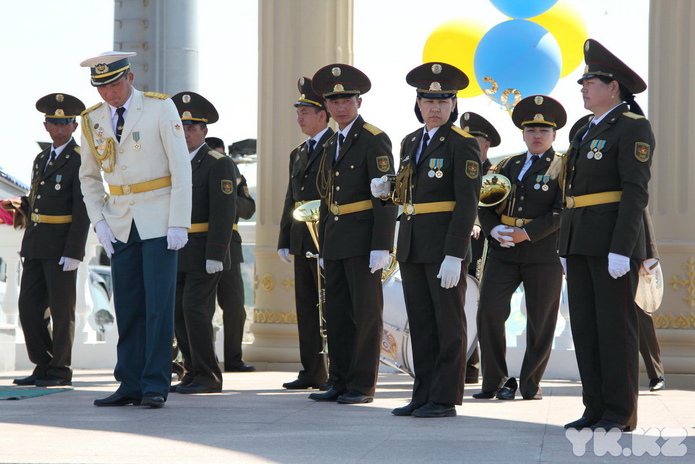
(454, 42)
(565, 23)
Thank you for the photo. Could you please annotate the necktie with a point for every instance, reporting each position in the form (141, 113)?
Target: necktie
(120, 122)
(51, 158)
(425, 141)
(591, 126)
(310, 146)
(341, 140)
(534, 158)
(524, 173)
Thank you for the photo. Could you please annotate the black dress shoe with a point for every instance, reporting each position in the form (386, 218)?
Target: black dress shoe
(433, 409)
(330, 395)
(153, 400)
(508, 390)
(299, 385)
(609, 425)
(52, 381)
(195, 388)
(326, 386)
(240, 368)
(657, 384)
(483, 395)
(408, 409)
(174, 388)
(31, 380)
(581, 423)
(117, 400)
(354, 397)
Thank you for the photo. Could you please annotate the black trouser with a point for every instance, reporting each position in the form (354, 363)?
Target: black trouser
(603, 317)
(46, 287)
(437, 324)
(230, 296)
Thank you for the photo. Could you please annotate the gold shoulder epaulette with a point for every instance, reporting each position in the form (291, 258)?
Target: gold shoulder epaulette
(216, 154)
(503, 162)
(77, 150)
(161, 96)
(91, 108)
(632, 115)
(373, 129)
(460, 131)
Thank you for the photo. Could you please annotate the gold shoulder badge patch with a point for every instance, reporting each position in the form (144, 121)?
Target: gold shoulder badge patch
(161, 96)
(227, 186)
(642, 151)
(372, 128)
(383, 163)
(472, 169)
(91, 108)
(460, 131)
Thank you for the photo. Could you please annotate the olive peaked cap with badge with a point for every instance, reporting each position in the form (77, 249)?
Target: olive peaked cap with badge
(437, 81)
(108, 67)
(340, 81)
(539, 110)
(307, 95)
(194, 108)
(476, 125)
(601, 62)
(60, 108)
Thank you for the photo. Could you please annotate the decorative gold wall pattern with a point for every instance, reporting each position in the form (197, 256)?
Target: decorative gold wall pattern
(266, 316)
(288, 283)
(669, 321)
(687, 282)
(267, 282)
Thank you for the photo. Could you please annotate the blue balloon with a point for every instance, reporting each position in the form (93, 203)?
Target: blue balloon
(516, 59)
(520, 9)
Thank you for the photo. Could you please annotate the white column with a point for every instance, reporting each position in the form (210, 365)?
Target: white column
(671, 99)
(295, 39)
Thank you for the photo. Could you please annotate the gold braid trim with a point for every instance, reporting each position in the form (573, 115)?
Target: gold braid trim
(403, 185)
(324, 179)
(109, 153)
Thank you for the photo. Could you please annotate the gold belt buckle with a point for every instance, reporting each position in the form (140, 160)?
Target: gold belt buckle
(34, 217)
(126, 189)
(409, 209)
(335, 209)
(519, 222)
(569, 201)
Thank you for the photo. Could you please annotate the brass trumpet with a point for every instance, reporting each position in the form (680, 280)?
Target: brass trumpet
(494, 190)
(308, 213)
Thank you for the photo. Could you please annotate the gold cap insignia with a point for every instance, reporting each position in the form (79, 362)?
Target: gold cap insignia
(59, 112)
(336, 71)
(586, 69)
(466, 116)
(303, 96)
(186, 114)
(435, 86)
(538, 117)
(538, 100)
(60, 97)
(101, 68)
(338, 87)
(301, 81)
(186, 99)
(436, 68)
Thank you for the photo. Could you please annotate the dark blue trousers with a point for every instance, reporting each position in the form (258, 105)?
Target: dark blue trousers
(144, 287)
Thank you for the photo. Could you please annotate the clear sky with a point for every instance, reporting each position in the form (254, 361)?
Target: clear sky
(43, 42)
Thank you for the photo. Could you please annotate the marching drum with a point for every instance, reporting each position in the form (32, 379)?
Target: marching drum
(396, 346)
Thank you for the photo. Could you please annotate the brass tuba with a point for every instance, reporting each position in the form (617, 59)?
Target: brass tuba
(308, 213)
(494, 190)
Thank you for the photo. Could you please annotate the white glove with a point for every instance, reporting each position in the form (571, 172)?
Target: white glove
(380, 187)
(69, 264)
(283, 253)
(450, 271)
(378, 259)
(321, 263)
(105, 236)
(177, 237)
(505, 240)
(212, 266)
(618, 265)
(649, 266)
(475, 233)
(563, 261)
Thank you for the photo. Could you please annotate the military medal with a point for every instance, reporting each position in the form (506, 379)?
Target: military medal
(136, 138)
(596, 146)
(58, 179)
(436, 168)
(537, 185)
